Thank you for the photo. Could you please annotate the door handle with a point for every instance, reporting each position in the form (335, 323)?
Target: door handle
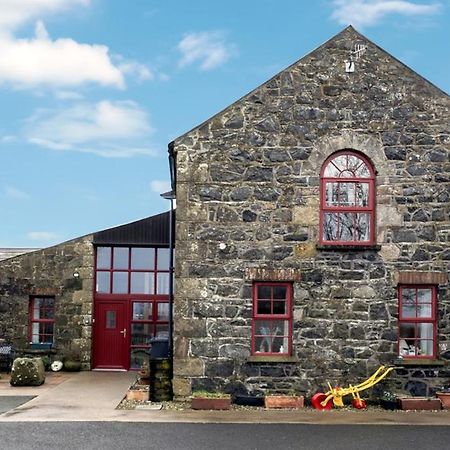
(124, 332)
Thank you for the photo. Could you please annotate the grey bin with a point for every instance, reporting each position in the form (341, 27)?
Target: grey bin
(159, 348)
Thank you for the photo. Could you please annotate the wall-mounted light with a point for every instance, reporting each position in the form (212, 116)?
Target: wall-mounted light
(76, 274)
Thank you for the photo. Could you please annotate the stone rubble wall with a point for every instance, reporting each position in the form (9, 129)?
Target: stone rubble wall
(50, 272)
(248, 197)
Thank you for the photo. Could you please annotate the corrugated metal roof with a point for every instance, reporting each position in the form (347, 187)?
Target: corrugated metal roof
(152, 230)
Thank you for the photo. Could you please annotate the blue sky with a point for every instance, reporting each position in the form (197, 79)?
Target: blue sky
(92, 91)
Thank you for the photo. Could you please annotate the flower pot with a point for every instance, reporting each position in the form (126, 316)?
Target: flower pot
(444, 397)
(72, 366)
(284, 401)
(420, 403)
(210, 403)
(140, 395)
(248, 400)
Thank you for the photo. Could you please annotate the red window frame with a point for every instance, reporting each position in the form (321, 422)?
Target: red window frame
(154, 298)
(369, 209)
(33, 320)
(287, 316)
(432, 319)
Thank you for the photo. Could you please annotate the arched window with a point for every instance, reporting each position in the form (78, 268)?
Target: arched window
(347, 200)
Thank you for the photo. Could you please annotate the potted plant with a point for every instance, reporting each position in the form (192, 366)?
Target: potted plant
(210, 400)
(389, 400)
(285, 400)
(443, 394)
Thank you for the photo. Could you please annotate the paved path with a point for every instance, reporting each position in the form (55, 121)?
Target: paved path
(93, 397)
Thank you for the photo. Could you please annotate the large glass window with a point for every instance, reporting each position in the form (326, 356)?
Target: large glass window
(272, 319)
(417, 322)
(149, 319)
(347, 214)
(132, 270)
(42, 320)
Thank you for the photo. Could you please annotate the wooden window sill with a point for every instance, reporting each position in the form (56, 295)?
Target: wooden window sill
(272, 359)
(346, 248)
(420, 362)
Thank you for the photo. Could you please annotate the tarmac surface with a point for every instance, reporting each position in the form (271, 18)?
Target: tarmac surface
(94, 396)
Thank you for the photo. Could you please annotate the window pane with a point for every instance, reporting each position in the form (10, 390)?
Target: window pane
(110, 319)
(163, 258)
(120, 283)
(263, 307)
(408, 311)
(162, 331)
(142, 311)
(163, 283)
(362, 227)
(163, 312)
(424, 310)
(141, 333)
(264, 292)
(120, 258)
(425, 348)
(279, 292)
(142, 283)
(407, 330)
(361, 194)
(142, 258)
(103, 257)
(424, 295)
(137, 357)
(271, 336)
(330, 226)
(103, 282)
(35, 333)
(346, 226)
(279, 307)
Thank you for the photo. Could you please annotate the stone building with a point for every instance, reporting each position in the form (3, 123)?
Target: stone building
(313, 232)
(103, 296)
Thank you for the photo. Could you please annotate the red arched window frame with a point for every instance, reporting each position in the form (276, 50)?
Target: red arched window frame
(347, 200)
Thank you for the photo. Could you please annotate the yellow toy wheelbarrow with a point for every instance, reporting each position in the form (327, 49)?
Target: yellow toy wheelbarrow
(323, 401)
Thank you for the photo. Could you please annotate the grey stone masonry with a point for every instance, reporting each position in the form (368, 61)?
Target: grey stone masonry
(247, 186)
(50, 272)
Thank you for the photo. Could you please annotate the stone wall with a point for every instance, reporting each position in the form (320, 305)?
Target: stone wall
(248, 199)
(50, 272)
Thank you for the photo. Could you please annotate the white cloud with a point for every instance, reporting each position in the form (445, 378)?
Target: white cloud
(110, 129)
(134, 68)
(42, 236)
(17, 12)
(208, 49)
(15, 193)
(160, 186)
(26, 63)
(68, 95)
(369, 12)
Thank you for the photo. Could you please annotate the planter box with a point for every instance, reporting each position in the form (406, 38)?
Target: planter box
(210, 403)
(444, 397)
(284, 401)
(140, 395)
(248, 400)
(421, 403)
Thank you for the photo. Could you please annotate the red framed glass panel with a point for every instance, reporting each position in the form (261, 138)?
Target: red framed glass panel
(140, 277)
(42, 320)
(347, 200)
(272, 319)
(417, 322)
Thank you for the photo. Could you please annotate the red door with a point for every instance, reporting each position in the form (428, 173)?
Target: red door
(111, 335)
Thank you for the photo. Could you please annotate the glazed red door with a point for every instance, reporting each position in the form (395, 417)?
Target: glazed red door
(111, 335)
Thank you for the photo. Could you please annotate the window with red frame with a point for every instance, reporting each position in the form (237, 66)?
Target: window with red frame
(417, 322)
(272, 319)
(347, 200)
(42, 320)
